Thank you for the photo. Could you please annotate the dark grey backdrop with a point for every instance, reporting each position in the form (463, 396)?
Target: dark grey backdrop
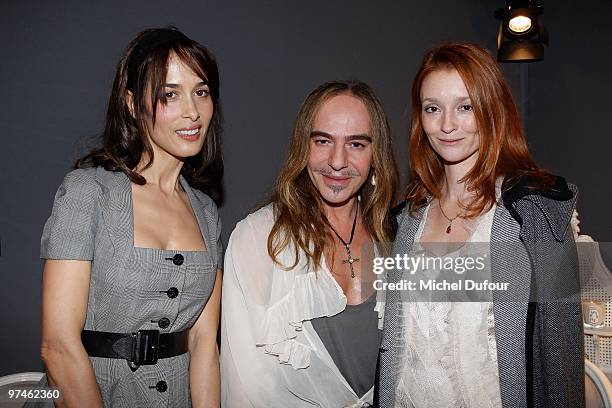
(58, 60)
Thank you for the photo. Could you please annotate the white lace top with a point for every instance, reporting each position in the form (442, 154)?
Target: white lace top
(449, 357)
(271, 356)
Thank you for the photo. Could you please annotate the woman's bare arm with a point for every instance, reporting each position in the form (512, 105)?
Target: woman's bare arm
(65, 293)
(204, 379)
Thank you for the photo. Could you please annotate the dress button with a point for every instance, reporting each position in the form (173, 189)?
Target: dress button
(161, 386)
(178, 259)
(172, 292)
(163, 322)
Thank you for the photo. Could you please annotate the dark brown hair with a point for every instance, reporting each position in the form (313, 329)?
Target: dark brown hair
(503, 150)
(300, 222)
(142, 70)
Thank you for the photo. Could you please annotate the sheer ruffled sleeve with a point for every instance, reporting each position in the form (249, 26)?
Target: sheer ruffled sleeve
(263, 309)
(247, 380)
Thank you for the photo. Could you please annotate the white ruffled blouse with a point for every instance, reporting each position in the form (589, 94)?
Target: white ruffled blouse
(449, 358)
(271, 356)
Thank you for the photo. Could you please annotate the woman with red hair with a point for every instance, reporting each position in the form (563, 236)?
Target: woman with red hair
(474, 181)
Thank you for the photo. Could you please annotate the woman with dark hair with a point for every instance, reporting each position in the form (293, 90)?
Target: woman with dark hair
(131, 283)
(474, 181)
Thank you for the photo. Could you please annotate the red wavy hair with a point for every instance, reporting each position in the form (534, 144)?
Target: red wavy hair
(503, 150)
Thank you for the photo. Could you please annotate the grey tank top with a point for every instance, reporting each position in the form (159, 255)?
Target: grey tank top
(352, 339)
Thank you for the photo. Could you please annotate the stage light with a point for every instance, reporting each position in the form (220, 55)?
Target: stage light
(519, 24)
(522, 35)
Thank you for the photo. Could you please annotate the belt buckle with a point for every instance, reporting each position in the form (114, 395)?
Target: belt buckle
(145, 347)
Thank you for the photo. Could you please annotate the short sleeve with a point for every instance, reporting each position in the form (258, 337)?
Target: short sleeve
(70, 230)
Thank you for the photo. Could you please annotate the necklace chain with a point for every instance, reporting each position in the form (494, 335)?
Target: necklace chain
(445, 216)
(347, 245)
(450, 220)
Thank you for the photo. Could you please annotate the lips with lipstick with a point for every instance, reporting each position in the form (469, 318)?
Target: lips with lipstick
(450, 142)
(191, 134)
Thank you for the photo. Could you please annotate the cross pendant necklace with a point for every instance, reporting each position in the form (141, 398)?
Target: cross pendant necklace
(350, 260)
(347, 245)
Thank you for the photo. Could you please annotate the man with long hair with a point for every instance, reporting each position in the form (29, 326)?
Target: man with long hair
(300, 322)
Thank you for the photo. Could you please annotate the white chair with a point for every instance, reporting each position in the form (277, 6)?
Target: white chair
(19, 380)
(596, 282)
(602, 395)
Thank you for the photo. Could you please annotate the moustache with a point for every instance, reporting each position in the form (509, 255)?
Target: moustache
(328, 172)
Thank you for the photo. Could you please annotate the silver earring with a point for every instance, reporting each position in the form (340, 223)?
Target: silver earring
(373, 180)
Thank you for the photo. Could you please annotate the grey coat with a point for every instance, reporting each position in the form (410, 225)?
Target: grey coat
(92, 219)
(539, 337)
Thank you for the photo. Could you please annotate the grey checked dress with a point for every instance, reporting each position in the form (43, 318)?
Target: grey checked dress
(92, 219)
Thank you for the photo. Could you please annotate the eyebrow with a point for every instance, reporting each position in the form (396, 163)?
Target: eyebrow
(175, 86)
(362, 136)
(434, 100)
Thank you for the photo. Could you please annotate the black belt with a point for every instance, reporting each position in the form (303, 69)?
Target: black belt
(144, 347)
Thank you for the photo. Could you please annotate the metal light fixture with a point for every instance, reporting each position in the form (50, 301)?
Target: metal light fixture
(522, 35)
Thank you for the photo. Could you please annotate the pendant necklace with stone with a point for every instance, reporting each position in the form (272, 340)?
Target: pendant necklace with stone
(347, 245)
(450, 220)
